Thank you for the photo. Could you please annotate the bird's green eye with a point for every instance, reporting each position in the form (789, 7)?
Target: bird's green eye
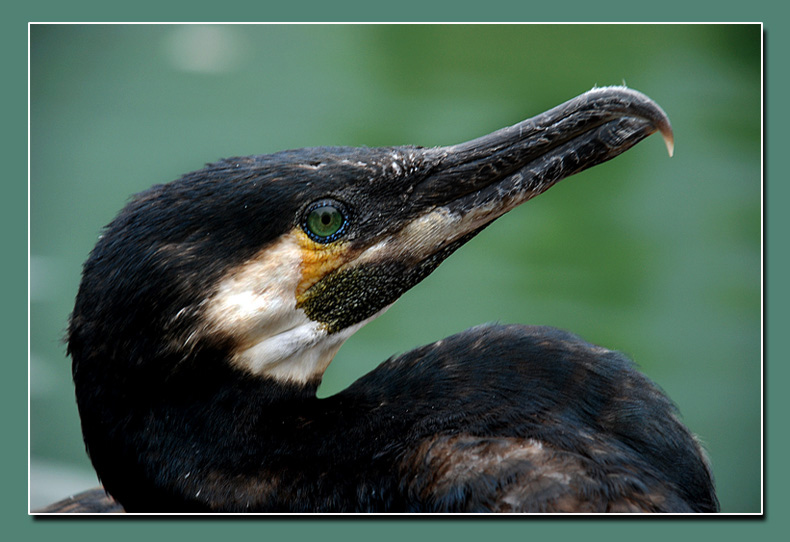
(325, 221)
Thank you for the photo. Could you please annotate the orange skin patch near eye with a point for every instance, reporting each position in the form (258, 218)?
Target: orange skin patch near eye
(318, 260)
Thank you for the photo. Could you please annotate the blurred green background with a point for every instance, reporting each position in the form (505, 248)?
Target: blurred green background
(659, 258)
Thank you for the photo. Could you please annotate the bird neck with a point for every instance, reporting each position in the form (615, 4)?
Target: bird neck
(192, 436)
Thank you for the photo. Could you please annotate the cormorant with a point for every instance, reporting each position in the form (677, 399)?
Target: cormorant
(211, 306)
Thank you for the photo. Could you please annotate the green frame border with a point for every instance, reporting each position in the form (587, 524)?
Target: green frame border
(18, 524)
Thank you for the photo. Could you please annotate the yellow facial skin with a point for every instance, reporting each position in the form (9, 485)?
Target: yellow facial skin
(318, 260)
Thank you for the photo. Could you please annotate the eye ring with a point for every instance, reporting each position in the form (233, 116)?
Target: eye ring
(325, 220)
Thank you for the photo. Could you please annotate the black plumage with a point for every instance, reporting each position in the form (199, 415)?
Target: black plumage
(211, 305)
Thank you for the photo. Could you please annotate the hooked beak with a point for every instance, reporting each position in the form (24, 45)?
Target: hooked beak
(473, 183)
(482, 179)
(457, 191)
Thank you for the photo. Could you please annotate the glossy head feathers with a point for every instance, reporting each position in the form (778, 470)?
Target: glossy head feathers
(271, 262)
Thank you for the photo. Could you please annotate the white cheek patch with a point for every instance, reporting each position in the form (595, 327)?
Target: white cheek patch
(275, 353)
(298, 355)
(258, 298)
(255, 304)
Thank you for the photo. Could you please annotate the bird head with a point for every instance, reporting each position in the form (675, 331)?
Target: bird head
(269, 263)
